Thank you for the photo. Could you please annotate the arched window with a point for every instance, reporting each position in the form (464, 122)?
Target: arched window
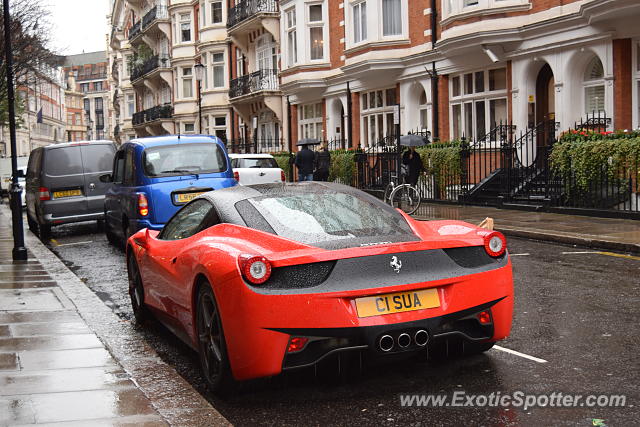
(593, 82)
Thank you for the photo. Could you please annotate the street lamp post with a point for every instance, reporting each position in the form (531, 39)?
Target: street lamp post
(19, 251)
(199, 70)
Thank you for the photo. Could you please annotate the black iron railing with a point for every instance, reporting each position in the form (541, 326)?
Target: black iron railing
(258, 145)
(261, 80)
(248, 8)
(151, 114)
(135, 29)
(156, 12)
(150, 64)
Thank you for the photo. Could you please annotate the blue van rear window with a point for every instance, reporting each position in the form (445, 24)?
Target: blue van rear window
(184, 159)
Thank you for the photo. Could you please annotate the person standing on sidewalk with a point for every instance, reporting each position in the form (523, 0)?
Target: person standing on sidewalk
(412, 159)
(323, 163)
(304, 162)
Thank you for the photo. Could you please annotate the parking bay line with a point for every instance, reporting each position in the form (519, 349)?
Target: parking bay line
(517, 353)
(74, 243)
(525, 254)
(613, 254)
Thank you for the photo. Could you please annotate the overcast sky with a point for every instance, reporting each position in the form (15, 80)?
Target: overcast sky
(78, 25)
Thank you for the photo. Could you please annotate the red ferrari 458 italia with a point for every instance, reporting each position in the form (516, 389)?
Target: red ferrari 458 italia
(267, 278)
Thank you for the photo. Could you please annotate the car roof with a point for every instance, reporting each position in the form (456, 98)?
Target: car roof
(250, 156)
(75, 143)
(156, 141)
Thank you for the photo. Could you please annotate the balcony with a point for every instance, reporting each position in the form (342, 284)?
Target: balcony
(158, 112)
(149, 65)
(248, 9)
(156, 12)
(135, 30)
(261, 80)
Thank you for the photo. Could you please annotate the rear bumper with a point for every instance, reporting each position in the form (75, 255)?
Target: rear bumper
(50, 219)
(258, 327)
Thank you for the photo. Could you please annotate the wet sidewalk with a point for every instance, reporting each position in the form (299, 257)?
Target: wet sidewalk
(600, 233)
(65, 358)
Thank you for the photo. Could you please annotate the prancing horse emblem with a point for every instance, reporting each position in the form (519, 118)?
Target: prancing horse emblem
(396, 264)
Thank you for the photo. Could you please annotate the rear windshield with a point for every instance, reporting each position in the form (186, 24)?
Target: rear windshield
(326, 216)
(63, 161)
(98, 158)
(255, 163)
(184, 159)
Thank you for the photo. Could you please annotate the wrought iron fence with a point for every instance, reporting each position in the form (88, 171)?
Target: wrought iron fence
(248, 8)
(257, 81)
(259, 145)
(135, 29)
(156, 12)
(151, 114)
(150, 64)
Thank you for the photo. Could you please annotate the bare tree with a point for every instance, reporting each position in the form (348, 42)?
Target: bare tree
(30, 30)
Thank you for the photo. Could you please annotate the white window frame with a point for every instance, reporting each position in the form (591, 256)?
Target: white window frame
(363, 34)
(593, 83)
(316, 24)
(183, 78)
(455, 9)
(184, 127)
(130, 107)
(290, 31)
(218, 65)
(223, 13)
(266, 52)
(180, 21)
(311, 127)
(213, 126)
(402, 21)
(239, 62)
(378, 116)
(474, 98)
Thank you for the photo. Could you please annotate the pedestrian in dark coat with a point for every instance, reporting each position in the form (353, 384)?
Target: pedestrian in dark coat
(322, 163)
(412, 159)
(304, 162)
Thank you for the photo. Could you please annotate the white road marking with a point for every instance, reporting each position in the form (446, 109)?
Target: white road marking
(75, 243)
(581, 252)
(517, 353)
(525, 254)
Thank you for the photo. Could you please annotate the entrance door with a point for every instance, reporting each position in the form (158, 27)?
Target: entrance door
(545, 105)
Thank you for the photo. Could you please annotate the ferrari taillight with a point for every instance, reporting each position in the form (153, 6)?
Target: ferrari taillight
(43, 193)
(495, 243)
(143, 205)
(255, 269)
(297, 344)
(283, 178)
(484, 317)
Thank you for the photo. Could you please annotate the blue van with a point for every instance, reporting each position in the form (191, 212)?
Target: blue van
(154, 177)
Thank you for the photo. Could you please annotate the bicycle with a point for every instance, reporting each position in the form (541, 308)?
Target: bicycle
(405, 197)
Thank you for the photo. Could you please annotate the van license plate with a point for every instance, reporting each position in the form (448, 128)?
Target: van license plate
(397, 303)
(66, 193)
(187, 197)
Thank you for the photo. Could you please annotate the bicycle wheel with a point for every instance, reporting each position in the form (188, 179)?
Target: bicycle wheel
(387, 192)
(407, 198)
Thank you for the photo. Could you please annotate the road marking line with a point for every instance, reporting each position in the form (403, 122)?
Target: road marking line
(525, 254)
(75, 243)
(581, 252)
(637, 258)
(517, 353)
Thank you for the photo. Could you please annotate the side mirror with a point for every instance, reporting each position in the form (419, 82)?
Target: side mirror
(106, 178)
(142, 240)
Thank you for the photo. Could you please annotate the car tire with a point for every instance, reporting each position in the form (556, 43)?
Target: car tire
(33, 225)
(136, 291)
(111, 237)
(44, 231)
(212, 348)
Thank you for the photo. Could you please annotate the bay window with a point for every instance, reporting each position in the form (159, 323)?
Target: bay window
(291, 38)
(391, 17)
(217, 63)
(311, 121)
(187, 82)
(359, 11)
(478, 103)
(216, 12)
(185, 27)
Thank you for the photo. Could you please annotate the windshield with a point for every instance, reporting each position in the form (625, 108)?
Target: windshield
(256, 163)
(184, 159)
(326, 216)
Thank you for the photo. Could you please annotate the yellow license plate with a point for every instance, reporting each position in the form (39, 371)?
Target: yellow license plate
(397, 303)
(187, 197)
(66, 193)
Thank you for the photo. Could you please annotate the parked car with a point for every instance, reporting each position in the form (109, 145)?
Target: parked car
(256, 169)
(153, 177)
(266, 278)
(62, 184)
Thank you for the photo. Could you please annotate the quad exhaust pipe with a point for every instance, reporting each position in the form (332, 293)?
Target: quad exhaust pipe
(420, 338)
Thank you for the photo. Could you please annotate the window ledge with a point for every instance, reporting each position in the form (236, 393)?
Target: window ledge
(306, 66)
(377, 43)
(485, 11)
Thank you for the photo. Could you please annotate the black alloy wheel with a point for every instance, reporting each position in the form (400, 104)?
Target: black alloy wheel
(136, 290)
(211, 344)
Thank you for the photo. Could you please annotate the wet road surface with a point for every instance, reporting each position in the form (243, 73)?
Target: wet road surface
(575, 331)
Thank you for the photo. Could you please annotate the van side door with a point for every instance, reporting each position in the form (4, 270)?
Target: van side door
(97, 160)
(113, 199)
